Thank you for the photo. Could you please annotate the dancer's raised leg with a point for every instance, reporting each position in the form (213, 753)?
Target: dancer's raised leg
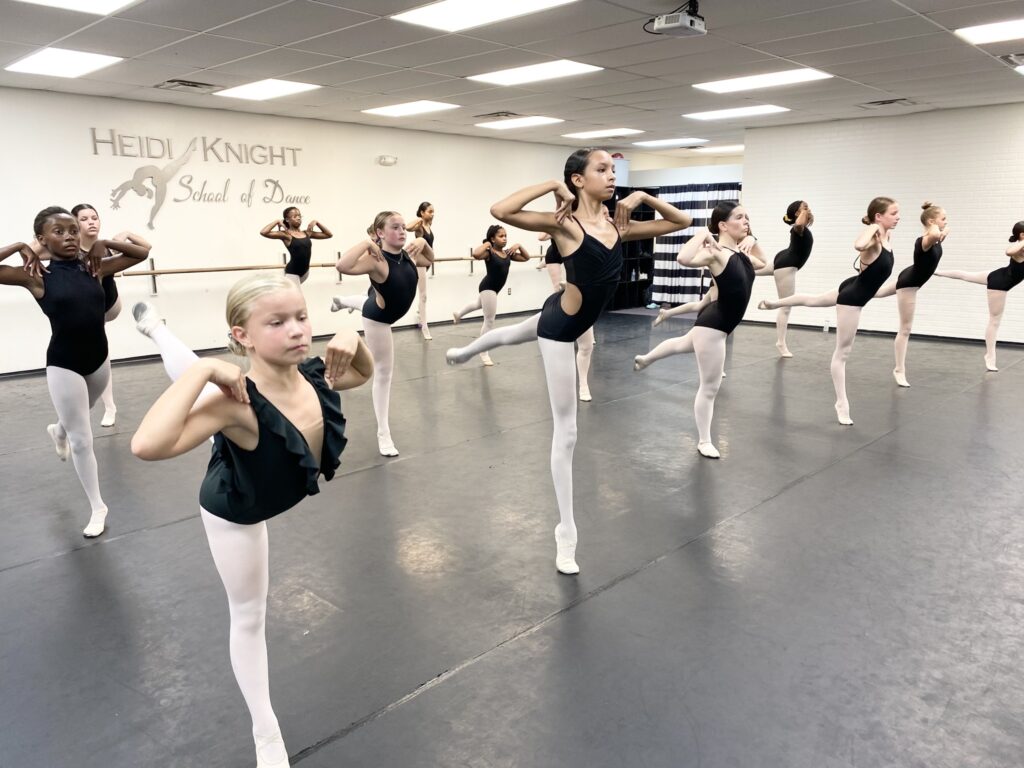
(176, 356)
(351, 303)
(847, 320)
(678, 346)
(981, 278)
(802, 300)
(496, 337)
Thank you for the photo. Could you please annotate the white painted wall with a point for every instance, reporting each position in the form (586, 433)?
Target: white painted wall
(697, 174)
(969, 161)
(50, 161)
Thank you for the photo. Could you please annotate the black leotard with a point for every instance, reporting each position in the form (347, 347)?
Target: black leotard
(552, 256)
(248, 487)
(923, 267)
(735, 283)
(428, 236)
(497, 271)
(858, 290)
(1005, 278)
(800, 244)
(109, 292)
(594, 269)
(73, 301)
(299, 251)
(397, 291)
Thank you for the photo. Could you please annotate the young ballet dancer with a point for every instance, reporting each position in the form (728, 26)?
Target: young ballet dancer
(591, 247)
(732, 260)
(422, 225)
(584, 344)
(497, 259)
(275, 430)
(69, 292)
(999, 282)
(927, 252)
(89, 231)
(391, 268)
(298, 241)
(874, 265)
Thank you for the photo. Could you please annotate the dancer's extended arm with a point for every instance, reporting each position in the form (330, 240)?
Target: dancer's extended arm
(347, 361)
(672, 219)
(317, 231)
(510, 210)
(517, 253)
(131, 254)
(19, 276)
(363, 258)
(275, 230)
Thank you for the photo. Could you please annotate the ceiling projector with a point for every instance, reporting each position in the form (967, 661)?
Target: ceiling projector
(680, 25)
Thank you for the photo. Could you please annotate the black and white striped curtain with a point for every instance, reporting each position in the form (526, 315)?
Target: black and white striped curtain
(674, 284)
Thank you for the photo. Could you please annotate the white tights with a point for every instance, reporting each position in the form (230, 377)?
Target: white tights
(486, 302)
(381, 346)
(108, 391)
(73, 395)
(584, 355)
(708, 345)
(421, 289)
(785, 284)
(847, 320)
(176, 357)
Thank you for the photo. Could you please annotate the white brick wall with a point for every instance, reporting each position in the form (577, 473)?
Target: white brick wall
(970, 161)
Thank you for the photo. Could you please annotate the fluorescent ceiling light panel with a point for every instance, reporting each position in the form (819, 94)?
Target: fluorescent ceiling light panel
(456, 15)
(725, 149)
(1019, 69)
(262, 90)
(725, 114)
(993, 33)
(520, 122)
(534, 73)
(604, 133)
(769, 80)
(669, 142)
(60, 62)
(99, 7)
(411, 108)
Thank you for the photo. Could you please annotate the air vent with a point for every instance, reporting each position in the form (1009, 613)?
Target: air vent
(883, 103)
(499, 115)
(188, 86)
(1013, 59)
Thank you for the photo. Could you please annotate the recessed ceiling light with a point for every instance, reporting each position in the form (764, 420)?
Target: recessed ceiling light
(60, 62)
(725, 149)
(262, 90)
(455, 15)
(768, 80)
(1019, 69)
(604, 133)
(520, 122)
(533, 73)
(99, 7)
(725, 114)
(992, 33)
(669, 142)
(411, 108)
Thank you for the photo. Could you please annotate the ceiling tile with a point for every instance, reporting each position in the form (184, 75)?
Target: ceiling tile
(912, 26)
(11, 52)
(121, 37)
(813, 22)
(976, 13)
(377, 7)
(197, 15)
(476, 65)
(138, 72)
(345, 71)
(37, 24)
(204, 51)
(399, 79)
(736, 59)
(432, 51)
(568, 46)
(292, 22)
(367, 38)
(556, 23)
(655, 49)
(879, 50)
(277, 62)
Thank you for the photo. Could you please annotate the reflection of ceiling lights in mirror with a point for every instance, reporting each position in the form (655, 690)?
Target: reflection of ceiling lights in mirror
(725, 149)
(604, 133)
(669, 142)
(769, 80)
(98, 7)
(992, 33)
(520, 122)
(387, 160)
(60, 62)
(455, 15)
(261, 90)
(535, 73)
(725, 114)
(411, 108)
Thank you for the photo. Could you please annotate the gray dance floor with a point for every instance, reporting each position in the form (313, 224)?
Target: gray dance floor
(821, 597)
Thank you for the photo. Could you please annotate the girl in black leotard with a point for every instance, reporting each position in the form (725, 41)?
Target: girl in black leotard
(999, 282)
(788, 262)
(423, 226)
(275, 430)
(927, 252)
(89, 226)
(497, 259)
(732, 259)
(874, 265)
(391, 268)
(591, 249)
(297, 241)
(69, 292)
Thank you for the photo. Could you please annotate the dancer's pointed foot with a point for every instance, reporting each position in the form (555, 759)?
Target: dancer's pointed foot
(109, 417)
(426, 333)
(843, 414)
(486, 359)
(708, 450)
(901, 378)
(60, 444)
(565, 549)
(97, 523)
(585, 395)
(639, 363)
(147, 318)
(270, 751)
(764, 304)
(783, 349)
(990, 363)
(386, 446)
(661, 318)
(455, 318)
(453, 356)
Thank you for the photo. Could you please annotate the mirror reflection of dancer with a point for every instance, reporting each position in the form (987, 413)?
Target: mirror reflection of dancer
(392, 271)
(497, 259)
(927, 252)
(158, 177)
(275, 430)
(591, 246)
(732, 260)
(874, 265)
(69, 292)
(999, 282)
(89, 227)
(423, 226)
(298, 241)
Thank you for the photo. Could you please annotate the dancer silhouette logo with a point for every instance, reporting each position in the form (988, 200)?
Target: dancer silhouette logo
(158, 177)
